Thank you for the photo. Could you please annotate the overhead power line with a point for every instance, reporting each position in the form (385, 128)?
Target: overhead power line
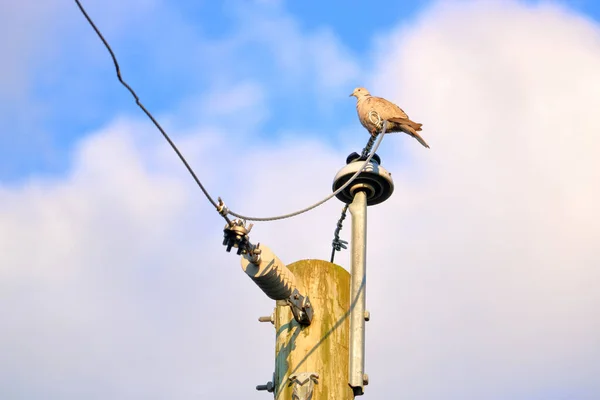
(315, 205)
(148, 113)
(220, 206)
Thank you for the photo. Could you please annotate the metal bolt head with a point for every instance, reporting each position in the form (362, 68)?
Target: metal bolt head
(269, 387)
(269, 318)
(365, 379)
(367, 316)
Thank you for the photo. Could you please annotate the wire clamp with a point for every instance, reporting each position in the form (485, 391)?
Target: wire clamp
(222, 208)
(303, 385)
(339, 244)
(301, 308)
(236, 235)
(255, 253)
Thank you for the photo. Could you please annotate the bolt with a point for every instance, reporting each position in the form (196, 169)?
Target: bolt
(367, 316)
(269, 318)
(365, 379)
(296, 296)
(269, 387)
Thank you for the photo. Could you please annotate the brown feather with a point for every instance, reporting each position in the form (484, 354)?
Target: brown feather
(410, 131)
(415, 125)
(372, 111)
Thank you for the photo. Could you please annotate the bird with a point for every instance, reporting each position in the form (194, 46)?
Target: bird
(372, 111)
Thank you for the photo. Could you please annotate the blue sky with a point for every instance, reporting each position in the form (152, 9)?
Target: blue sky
(67, 87)
(113, 279)
(70, 88)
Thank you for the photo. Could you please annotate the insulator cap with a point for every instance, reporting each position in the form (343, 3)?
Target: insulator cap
(355, 156)
(375, 180)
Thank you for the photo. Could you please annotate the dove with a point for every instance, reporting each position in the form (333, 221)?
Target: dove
(372, 111)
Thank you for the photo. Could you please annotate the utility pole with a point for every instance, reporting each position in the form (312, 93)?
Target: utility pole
(320, 314)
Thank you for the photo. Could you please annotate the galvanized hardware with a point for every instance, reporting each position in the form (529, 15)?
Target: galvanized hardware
(268, 318)
(222, 208)
(358, 282)
(339, 244)
(374, 178)
(367, 316)
(236, 235)
(269, 387)
(254, 253)
(304, 385)
(301, 308)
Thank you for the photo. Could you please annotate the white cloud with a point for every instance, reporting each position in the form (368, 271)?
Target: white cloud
(102, 286)
(114, 279)
(497, 269)
(317, 57)
(241, 108)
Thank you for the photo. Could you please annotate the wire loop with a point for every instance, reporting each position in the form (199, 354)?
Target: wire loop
(377, 121)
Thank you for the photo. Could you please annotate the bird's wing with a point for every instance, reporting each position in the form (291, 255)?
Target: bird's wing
(386, 108)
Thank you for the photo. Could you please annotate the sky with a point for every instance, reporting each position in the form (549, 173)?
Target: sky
(483, 267)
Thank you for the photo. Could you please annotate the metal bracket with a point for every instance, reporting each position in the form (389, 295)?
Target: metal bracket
(236, 235)
(304, 384)
(222, 208)
(301, 307)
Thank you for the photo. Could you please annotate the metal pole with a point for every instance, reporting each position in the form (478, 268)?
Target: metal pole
(358, 280)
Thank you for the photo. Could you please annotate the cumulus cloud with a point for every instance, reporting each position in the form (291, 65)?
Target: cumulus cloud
(114, 279)
(483, 268)
(318, 55)
(97, 269)
(496, 272)
(57, 64)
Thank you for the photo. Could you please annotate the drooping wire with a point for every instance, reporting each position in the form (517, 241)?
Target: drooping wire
(148, 114)
(220, 207)
(315, 205)
(337, 243)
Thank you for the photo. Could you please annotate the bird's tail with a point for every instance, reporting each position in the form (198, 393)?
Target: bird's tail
(406, 128)
(405, 121)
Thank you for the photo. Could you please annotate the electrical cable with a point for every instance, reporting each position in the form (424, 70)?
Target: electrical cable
(223, 211)
(315, 205)
(148, 114)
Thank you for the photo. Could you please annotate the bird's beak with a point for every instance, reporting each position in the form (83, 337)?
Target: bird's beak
(351, 94)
